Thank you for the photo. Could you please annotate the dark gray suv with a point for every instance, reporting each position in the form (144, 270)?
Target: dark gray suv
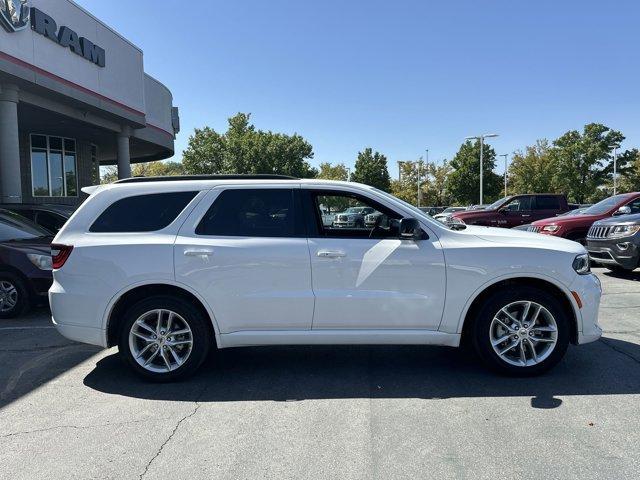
(615, 242)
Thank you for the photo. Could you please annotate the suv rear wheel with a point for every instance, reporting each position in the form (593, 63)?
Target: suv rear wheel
(164, 338)
(522, 331)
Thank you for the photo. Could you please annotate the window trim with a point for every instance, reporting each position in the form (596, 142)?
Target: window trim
(48, 154)
(315, 228)
(300, 228)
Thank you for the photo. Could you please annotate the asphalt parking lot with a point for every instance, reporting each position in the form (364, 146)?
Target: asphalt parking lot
(72, 411)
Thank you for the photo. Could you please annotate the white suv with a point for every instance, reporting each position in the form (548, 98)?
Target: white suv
(167, 269)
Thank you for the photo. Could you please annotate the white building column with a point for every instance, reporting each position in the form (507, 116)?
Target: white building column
(10, 179)
(124, 155)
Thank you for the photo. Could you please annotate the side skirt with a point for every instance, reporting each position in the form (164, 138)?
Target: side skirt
(338, 337)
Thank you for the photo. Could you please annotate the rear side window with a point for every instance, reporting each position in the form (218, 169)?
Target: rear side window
(252, 213)
(547, 203)
(142, 213)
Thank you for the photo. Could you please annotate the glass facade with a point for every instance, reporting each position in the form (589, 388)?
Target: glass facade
(53, 166)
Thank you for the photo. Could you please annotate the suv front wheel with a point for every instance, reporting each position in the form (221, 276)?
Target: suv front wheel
(164, 338)
(521, 331)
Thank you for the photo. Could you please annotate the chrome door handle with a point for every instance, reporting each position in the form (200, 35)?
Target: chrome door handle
(330, 254)
(198, 252)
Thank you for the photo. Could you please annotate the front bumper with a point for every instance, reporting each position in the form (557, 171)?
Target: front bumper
(620, 252)
(589, 290)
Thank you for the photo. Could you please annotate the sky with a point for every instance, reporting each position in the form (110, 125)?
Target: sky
(398, 76)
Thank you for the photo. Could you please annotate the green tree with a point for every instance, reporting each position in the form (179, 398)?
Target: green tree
(371, 169)
(157, 169)
(108, 174)
(532, 171)
(243, 149)
(583, 161)
(629, 179)
(437, 193)
(406, 188)
(333, 172)
(463, 183)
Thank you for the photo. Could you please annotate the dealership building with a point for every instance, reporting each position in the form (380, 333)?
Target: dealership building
(73, 96)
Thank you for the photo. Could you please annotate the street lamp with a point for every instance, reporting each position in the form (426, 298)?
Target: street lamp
(481, 138)
(505, 155)
(348, 174)
(615, 168)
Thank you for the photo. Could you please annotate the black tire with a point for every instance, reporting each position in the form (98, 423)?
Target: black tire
(200, 329)
(23, 300)
(480, 330)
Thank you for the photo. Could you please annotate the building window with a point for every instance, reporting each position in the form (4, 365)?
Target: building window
(53, 166)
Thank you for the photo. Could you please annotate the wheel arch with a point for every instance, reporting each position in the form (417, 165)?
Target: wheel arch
(134, 293)
(563, 295)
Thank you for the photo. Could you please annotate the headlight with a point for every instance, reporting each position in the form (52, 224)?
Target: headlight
(455, 220)
(551, 228)
(624, 230)
(43, 262)
(581, 264)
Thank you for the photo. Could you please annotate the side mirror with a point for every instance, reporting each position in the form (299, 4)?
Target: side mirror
(624, 210)
(410, 229)
(503, 210)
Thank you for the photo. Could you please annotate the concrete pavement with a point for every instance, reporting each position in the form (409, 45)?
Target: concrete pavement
(71, 411)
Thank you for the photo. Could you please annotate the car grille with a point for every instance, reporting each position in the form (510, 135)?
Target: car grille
(342, 218)
(533, 228)
(598, 232)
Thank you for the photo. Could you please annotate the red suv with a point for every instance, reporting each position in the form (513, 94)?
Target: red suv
(575, 227)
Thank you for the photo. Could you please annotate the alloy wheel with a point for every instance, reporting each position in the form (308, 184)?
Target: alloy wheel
(8, 296)
(523, 333)
(160, 341)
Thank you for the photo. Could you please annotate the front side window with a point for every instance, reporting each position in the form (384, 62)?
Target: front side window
(634, 205)
(348, 215)
(248, 212)
(142, 213)
(519, 204)
(53, 166)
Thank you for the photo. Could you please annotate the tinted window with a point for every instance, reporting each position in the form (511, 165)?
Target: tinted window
(142, 213)
(519, 204)
(634, 206)
(604, 205)
(16, 227)
(251, 213)
(50, 221)
(547, 203)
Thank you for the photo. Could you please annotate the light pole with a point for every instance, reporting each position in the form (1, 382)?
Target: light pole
(348, 174)
(505, 155)
(615, 169)
(481, 138)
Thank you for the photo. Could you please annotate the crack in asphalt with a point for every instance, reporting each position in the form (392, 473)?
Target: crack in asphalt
(73, 427)
(622, 352)
(173, 432)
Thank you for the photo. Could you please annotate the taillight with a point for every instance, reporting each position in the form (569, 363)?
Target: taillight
(59, 255)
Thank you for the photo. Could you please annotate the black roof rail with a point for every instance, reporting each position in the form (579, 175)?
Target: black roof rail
(176, 178)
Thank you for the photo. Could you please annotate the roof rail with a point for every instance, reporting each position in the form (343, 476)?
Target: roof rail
(176, 178)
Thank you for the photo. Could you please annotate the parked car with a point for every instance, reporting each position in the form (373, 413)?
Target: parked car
(615, 242)
(352, 217)
(432, 210)
(514, 210)
(50, 217)
(575, 227)
(472, 208)
(445, 215)
(169, 269)
(25, 264)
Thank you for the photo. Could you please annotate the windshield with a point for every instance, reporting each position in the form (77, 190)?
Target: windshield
(16, 227)
(353, 210)
(452, 209)
(497, 203)
(603, 206)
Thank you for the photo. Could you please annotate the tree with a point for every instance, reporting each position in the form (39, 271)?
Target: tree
(629, 180)
(371, 169)
(533, 171)
(157, 169)
(463, 183)
(583, 161)
(108, 174)
(333, 172)
(243, 149)
(406, 188)
(437, 193)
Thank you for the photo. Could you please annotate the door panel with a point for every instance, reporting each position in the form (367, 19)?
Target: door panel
(367, 278)
(251, 283)
(375, 284)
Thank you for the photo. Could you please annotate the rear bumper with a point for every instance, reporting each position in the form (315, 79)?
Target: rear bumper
(620, 252)
(77, 333)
